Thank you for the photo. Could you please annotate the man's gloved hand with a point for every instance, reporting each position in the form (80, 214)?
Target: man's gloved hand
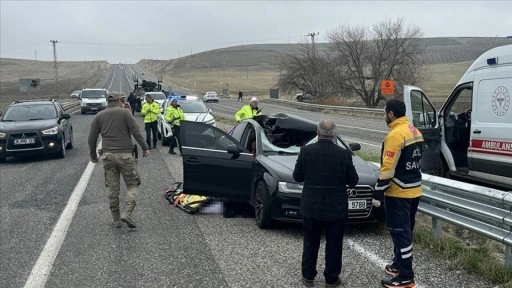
(258, 111)
(378, 195)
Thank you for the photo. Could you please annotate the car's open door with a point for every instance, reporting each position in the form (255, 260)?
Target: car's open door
(423, 116)
(214, 163)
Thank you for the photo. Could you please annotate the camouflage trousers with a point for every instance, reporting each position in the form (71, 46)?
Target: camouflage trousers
(115, 165)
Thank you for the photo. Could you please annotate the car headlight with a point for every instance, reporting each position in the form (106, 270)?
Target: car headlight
(210, 122)
(51, 131)
(82, 104)
(2, 134)
(103, 103)
(286, 187)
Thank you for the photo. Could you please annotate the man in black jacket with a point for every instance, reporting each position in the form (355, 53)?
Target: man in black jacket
(326, 169)
(133, 102)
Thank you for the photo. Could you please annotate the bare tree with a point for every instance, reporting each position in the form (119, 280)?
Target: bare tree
(307, 72)
(364, 57)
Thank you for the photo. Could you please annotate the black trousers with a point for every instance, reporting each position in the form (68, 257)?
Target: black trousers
(334, 232)
(175, 142)
(134, 108)
(151, 129)
(401, 218)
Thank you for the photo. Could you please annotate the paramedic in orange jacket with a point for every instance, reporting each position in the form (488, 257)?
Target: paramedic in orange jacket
(399, 186)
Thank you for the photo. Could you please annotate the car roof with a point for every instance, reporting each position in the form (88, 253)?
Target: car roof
(94, 89)
(32, 102)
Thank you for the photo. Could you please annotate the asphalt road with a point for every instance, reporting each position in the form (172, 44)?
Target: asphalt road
(55, 229)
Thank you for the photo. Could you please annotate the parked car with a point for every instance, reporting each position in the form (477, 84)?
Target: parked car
(210, 96)
(159, 97)
(35, 127)
(194, 110)
(254, 162)
(304, 97)
(76, 94)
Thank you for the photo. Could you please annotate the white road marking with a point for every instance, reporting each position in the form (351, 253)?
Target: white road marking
(111, 82)
(41, 270)
(379, 262)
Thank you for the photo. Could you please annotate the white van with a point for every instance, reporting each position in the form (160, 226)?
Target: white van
(93, 100)
(471, 136)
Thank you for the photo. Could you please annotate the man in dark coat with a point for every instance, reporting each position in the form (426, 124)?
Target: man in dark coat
(133, 102)
(326, 169)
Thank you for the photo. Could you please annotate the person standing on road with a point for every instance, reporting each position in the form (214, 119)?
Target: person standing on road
(117, 126)
(173, 115)
(326, 170)
(248, 111)
(399, 186)
(150, 111)
(133, 102)
(240, 94)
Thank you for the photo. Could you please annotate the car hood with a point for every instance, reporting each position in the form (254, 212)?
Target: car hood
(283, 166)
(27, 125)
(94, 100)
(198, 117)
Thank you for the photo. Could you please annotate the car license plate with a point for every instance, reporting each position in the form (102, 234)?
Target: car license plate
(93, 108)
(24, 141)
(356, 204)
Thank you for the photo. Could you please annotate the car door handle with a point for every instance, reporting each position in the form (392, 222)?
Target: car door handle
(476, 131)
(193, 160)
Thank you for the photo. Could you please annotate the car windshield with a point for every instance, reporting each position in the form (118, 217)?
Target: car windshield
(158, 96)
(93, 94)
(30, 112)
(269, 147)
(193, 107)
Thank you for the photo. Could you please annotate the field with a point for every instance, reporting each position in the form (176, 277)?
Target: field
(72, 76)
(253, 69)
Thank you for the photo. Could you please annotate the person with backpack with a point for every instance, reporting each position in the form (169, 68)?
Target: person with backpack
(248, 111)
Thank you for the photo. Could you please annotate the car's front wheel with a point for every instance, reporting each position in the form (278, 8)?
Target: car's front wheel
(62, 151)
(70, 143)
(262, 206)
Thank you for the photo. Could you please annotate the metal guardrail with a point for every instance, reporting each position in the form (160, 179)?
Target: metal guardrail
(482, 210)
(342, 110)
(70, 105)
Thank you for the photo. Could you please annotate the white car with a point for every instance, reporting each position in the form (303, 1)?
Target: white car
(194, 110)
(76, 94)
(210, 96)
(159, 97)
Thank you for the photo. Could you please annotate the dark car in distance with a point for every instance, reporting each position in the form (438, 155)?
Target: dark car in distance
(31, 127)
(254, 162)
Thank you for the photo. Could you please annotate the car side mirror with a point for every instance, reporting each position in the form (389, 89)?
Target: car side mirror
(354, 146)
(234, 149)
(210, 110)
(66, 116)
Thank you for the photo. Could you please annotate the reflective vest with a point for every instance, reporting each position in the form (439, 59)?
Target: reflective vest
(150, 112)
(246, 112)
(174, 115)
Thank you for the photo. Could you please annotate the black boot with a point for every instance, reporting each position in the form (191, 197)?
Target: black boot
(171, 151)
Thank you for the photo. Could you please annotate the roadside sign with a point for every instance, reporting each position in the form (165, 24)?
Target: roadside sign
(387, 87)
(30, 84)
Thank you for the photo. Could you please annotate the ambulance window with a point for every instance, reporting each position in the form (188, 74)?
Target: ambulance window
(423, 113)
(462, 101)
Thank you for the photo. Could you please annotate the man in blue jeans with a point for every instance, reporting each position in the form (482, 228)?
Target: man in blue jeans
(326, 170)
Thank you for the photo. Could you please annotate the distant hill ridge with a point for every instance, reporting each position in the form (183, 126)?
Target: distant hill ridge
(439, 50)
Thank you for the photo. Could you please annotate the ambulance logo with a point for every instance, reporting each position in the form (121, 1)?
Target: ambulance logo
(500, 101)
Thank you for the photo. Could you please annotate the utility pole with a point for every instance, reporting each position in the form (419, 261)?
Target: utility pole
(35, 52)
(54, 43)
(312, 35)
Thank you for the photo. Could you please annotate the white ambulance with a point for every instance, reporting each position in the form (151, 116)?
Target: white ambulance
(471, 136)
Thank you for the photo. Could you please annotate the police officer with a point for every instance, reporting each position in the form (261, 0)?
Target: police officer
(399, 186)
(117, 126)
(174, 114)
(248, 111)
(150, 111)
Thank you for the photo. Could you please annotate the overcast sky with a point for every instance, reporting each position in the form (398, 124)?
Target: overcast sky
(127, 31)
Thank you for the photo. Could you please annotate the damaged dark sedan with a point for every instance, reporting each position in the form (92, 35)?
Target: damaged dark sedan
(254, 162)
